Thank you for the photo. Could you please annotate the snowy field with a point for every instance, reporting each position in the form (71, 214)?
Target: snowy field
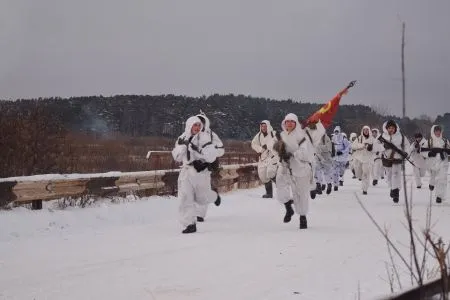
(135, 250)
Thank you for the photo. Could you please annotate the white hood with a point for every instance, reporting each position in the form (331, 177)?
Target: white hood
(269, 127)
(207, 123)
(291, 117)
(437, 142)
(378, 132)
(364, 127)
(189, 122)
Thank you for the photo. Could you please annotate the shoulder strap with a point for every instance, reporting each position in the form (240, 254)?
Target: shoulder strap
(403, 141)
(309, 136)
(271, 133)
(211, 141)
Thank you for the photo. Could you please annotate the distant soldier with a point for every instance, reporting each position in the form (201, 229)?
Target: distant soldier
(342, 148)
(324, 164)
(395, 145)
(362, 154)
(419, 157)
(263, 143)
(377, 166)
(438, 152)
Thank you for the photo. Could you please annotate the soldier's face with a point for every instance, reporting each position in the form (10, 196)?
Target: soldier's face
(391, 130)
(196, 128)
(290, 125)
(437, 132)
(263, 127)
(366, 131)
(374, 134)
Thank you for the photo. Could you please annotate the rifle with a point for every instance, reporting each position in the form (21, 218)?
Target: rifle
(281, 148)
(437, 150)
(402, 153)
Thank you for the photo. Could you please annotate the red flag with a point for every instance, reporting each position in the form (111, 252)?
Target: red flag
(326, 113)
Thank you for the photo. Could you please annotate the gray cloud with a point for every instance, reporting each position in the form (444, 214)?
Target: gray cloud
(304, 50)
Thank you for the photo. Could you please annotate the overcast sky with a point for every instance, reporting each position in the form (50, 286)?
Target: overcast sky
(299, 49)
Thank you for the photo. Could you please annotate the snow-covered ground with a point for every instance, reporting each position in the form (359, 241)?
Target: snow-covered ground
(135, 250)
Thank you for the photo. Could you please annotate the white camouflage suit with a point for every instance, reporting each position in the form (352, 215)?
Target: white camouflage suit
(194, 187)
(362, 154)
(342, 148)
(268, 158)
(295, 176)
(419, 159)
(202, 209)
(353, 137)
(377, 165)
(324, 161)
(438, 164)
(394, 173)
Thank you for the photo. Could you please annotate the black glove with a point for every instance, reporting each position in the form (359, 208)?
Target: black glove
(432, 153)
(339, 153)
(369, 147)
(377, 153)
(264, 147)
(182, 141)
(417, 146)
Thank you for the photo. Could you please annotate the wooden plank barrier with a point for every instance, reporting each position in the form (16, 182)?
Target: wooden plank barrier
(22, 190)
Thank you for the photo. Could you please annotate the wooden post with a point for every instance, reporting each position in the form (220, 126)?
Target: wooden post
(36, 204)
(403, 72)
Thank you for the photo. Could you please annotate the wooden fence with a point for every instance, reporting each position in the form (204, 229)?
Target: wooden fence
(428, 291)
(34, 190)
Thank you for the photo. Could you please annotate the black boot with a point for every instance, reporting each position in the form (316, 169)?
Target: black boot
(395, 194)
(218, 199)
(431, 187)
(374, 182)
(303, 222)
(200, 219)
(312, 193)
(323, 187)
(341, 183)
(328, 188)
(269, 190)
(354, 175)
(289, 211)
(190, 229)
(438, 200)
(336, 188)
(364, 193)
(318, 189)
